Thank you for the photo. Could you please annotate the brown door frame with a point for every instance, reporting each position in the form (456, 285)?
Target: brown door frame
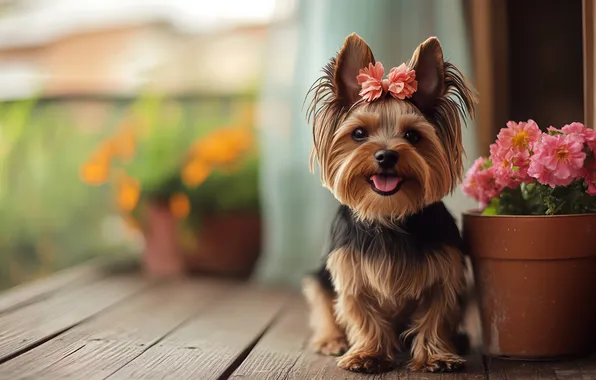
(588, 47)
(488, 20)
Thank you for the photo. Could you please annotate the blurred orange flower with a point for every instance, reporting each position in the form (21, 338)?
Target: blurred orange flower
(95, 172)
(105, 151)
(217, 151)
(223, 146)
(124, 145)
(195, 172)
(179, 205)
(129, 191)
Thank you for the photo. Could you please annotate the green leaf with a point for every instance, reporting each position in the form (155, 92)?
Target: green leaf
(492, 208)
(487, 164)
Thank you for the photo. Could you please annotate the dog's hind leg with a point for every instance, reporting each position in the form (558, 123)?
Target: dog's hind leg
(328, 338)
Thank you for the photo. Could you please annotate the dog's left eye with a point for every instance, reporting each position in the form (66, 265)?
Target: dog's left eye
(412, 136)
(359, 134)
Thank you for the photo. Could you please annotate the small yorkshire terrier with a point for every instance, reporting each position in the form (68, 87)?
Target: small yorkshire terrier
(389, 150)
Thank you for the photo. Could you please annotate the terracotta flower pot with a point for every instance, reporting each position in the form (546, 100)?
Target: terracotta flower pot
(162, 256)
(228, 244)
(535, 278)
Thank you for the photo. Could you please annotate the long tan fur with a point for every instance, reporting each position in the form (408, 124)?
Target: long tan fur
(381, 299)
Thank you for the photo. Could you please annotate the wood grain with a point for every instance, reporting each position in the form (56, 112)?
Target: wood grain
(474, 370)
(99, 347)
(29, 293)
(579, 369)
(34, 324)
(588, 10)
(515, 370)
(490, 54)
(126, 327)
(212, 342)
(283, 353)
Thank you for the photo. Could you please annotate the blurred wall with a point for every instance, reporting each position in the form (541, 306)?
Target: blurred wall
(84, 63)
(297, 209)
(122, 60)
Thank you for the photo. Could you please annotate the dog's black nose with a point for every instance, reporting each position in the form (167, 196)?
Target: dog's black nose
(386, 158)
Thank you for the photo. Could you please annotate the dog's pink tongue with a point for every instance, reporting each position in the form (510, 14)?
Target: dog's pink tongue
(385, 183)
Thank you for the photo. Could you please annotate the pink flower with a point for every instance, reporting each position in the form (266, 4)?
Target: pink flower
(580, 132)
(511, 167)
(488, 186)
(576, 131)
(557, 160)
(590, 175)
(371, 80)
(480, 182)
(523, 154)
(519, 136)
(402, 82)
(590, 180)
(510, 154)
(469, 185)
(574, 128)
(590, 136)
(544, 175)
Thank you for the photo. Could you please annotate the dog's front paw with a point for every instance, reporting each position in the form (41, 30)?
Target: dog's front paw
(437, 363)
(332, 346)
(361, 361)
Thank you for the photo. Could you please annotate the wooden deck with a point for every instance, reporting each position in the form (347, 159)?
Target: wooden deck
(88, 323)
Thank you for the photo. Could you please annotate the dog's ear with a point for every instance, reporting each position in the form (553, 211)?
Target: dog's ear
(445, 96)
(428, 63)
(354, 55)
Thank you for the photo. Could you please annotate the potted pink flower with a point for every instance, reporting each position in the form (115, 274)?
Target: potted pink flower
(533, 241)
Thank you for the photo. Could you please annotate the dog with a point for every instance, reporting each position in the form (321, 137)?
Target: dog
(389, 150)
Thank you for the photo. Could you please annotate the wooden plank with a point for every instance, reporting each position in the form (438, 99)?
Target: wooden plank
(99, 347)
(517, 370)
(28, 293)
(474, 370)
(589, 32)
(490, 54)
(283, 353)
(280, 348)
(212, 342)
(32, 325)
(579, 369)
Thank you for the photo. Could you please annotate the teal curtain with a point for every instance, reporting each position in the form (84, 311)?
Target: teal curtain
(296, 209)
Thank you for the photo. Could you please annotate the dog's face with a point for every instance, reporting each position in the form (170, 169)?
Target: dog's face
(386, 160)
(389, 158)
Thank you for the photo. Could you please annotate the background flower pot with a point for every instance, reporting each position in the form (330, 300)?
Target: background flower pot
(228, 244)
(535, 278)
(162, 255)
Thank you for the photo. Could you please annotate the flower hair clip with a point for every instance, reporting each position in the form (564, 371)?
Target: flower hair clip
(400, 82)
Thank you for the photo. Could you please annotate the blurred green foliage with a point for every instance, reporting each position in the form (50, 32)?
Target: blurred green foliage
(50, 218)
(170, 140)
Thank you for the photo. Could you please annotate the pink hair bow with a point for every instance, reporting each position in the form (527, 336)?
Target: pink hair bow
(400, 82)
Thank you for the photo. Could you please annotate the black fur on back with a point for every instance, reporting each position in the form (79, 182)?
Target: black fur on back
(418, 235)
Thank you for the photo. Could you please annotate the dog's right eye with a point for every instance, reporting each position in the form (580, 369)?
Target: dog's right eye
(359, 134)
